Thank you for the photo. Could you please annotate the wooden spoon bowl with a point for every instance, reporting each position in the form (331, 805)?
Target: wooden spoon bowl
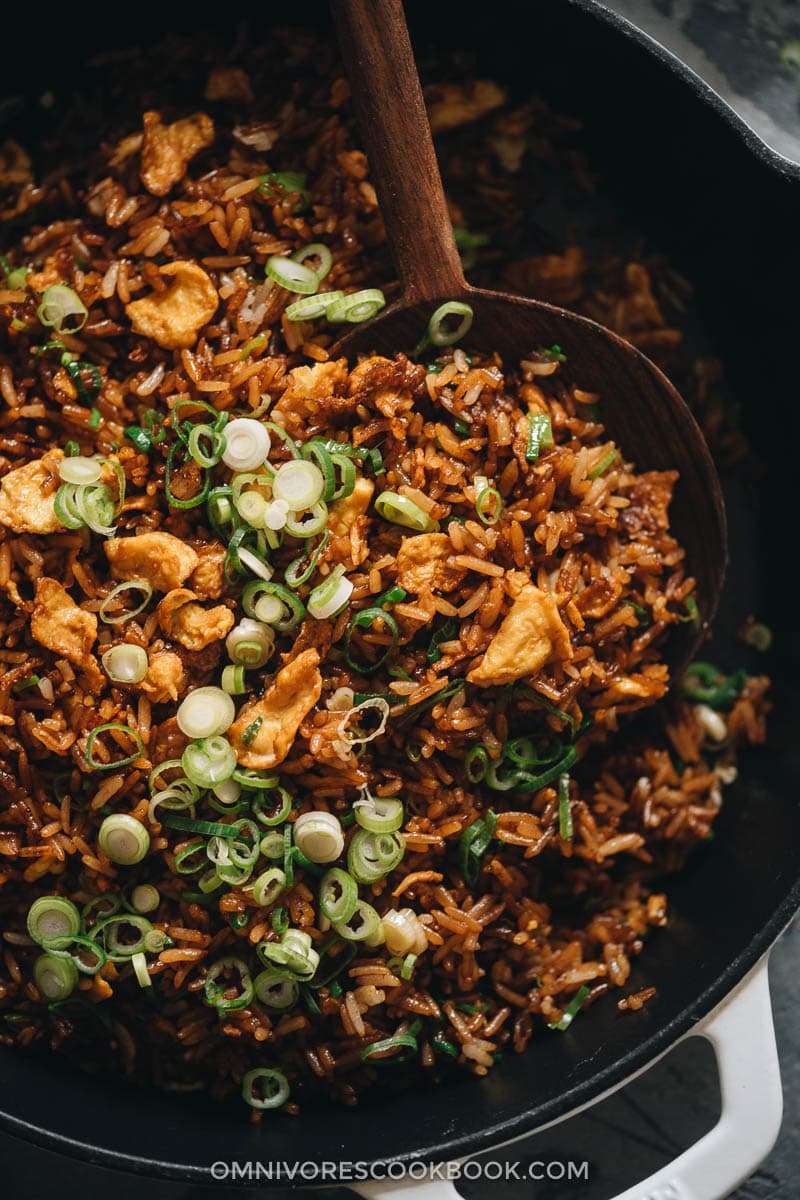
(639, 407)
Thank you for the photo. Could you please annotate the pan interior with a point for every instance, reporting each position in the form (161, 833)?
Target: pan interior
(676, 173)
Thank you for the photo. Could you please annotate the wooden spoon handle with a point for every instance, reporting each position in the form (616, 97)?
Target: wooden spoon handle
(393, 122)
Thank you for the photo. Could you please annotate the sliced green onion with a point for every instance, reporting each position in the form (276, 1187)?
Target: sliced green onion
(603, 465)
(250, 643)
(446, 633)
(206, 445)
(252, 507)
(358, 306)
(247, 444)
(116, 929)
(269, 886)
(300, 569)
(387, 1048)
(76, 949)
(363, 620)
(184, 860)
(80, 470)
(53, 917)
(712, 686)
(521, 779)
(489, 505)
(92, 762)
(475, 763)
(136, 585)
(62, 309)
(315, 250)
(64, 506)
(95, 417)
(216, 988)
(473, 845)
(402, 511)
(123, 839)
(205, 712)
(275, 990)
(311, 307)
(379, 814)
(273, 604)
(571, 1011)
(566, 827)
(209, 761)
(233, 680)
(139, 964)
(140, 438)
(330, 596)
(319, 836)
(145, 898)
(104, 905)
(361, 925)
(293, 953)
(757, 635)
(220, 510)
(280, 920)
(293, 276)
(125, 664)
(287, 182)
(299, 483)
(265, 1087)
(540, 433)
(55, 977)
(170, 471)
(439, 333)
(272, 846)
(317, 453)
(307, 524)
(693, 612)
(251, 732)
(76, 371)
(372, 856)
(338, 895)
(274, 813)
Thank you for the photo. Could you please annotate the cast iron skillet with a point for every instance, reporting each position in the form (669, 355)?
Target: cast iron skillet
(685, 178)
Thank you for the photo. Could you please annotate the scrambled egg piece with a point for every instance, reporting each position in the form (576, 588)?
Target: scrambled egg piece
(634, 690)
(183, 620)
(174, 317)
(453, 104)
(27, 496)
(599, 597)
(530, 634)
(208, 577)
(422, 564)
(314, 383)
(165, 678)
(229, 83)
(163, 560)
(167, 150)
(275, 719)
(59, 624)
(346, 520)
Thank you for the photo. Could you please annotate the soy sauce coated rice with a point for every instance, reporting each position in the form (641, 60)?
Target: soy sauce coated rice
(548, 912)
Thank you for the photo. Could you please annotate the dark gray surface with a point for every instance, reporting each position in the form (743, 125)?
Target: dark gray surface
(623, 1139)
(748, 51)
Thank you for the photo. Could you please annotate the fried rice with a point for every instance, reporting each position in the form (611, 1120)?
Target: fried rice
(502, 612)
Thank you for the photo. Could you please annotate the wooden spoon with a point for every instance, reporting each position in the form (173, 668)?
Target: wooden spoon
(640, 408)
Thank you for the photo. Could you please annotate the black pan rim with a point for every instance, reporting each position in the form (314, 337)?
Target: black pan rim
(761, 150)
(438, 1150)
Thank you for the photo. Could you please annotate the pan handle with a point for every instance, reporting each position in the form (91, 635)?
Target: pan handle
(742, 1034)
